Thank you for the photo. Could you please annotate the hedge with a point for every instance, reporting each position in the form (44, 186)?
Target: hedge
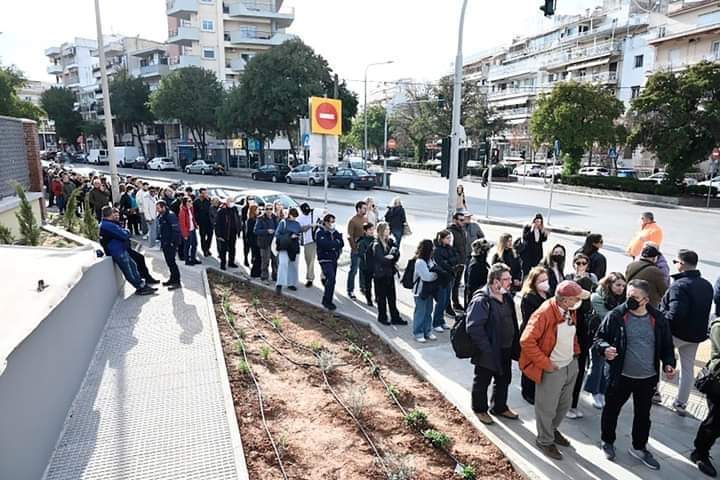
(636, 186)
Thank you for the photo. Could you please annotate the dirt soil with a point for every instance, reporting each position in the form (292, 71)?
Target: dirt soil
(48, 239)
(316, 436)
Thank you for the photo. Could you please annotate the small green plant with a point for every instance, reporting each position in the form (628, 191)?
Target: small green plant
(327, 361)
(6, 236)
(375, 371)
(282, 443)
(315, 346)
(70, 218)
(239, 346)
(277, 323)
(400, 467)
(231, 318)
(241, 333)
(265, 352)
(437, 439)
(90, 226)
(416, 419)
(243, 367)
(255, 302)
(356, 400)
(29, 228)
(468, 472)
(393, 391)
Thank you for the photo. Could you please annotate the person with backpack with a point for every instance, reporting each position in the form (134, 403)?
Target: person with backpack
(424, 281)
(287, 241)
(329, 247)
(385, 257)
(530, 248)
(492, 325)
(445, 260)
(709, 430)
(646, 269)
(365, 251)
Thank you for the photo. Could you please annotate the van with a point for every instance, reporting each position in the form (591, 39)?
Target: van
(125, 156)
(98, 156)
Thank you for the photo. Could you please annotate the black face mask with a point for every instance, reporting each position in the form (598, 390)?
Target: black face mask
(632, 304)
(557, 258)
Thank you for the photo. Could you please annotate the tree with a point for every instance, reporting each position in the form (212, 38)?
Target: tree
(414, 119)
(70, 217)
(130, 103)
(11, 105)
(376, 129)
(59, 103)
(578, 115)
(93, 128)
(29, 228)
(192, 96)
(677, 117)
(90, 226)
(6, 236)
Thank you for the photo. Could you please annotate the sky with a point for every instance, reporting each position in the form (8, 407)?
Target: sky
(419, 36)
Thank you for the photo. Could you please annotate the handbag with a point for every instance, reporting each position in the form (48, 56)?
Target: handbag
(707, 382)
(406, 230)
(429, 289)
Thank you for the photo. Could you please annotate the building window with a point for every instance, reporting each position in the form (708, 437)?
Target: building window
(208, 53)
(635, 91)
(674, 57)
(208, 26)
(715, 50)
(639, 61)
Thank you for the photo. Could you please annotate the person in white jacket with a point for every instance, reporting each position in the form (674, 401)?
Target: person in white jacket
(147, 208)
(141, 191)
(422, 317)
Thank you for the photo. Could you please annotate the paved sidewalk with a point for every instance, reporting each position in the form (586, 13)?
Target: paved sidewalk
(153, 403)
(671, 436)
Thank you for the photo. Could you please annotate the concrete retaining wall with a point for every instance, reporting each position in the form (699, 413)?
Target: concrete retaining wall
(45, 371)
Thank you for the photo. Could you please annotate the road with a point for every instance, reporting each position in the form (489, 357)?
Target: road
(426, 204)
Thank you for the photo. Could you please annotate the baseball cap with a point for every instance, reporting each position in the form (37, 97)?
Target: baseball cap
(568, 288)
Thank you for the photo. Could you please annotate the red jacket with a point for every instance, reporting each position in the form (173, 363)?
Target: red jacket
(185, 220)
(57, 188)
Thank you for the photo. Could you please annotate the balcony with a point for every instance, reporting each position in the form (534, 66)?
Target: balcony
(154, 70)
(580, 54)
(511, 92)
(182, 61)
(264, 10)
(237, 64)
(258, 37)
(604, 77)
(184, 36)
(181, 8)
(516, 69)
(54, 69)
(514, 113)
(52, 52)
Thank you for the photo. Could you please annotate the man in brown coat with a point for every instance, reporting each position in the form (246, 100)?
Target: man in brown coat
(354, 232)
(646, 269)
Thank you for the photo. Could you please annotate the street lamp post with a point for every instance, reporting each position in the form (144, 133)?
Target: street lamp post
(455, 134)
(365, 151)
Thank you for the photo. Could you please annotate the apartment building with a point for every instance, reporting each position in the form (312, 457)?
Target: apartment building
(223, 35)
(72, 63)
(31, 92)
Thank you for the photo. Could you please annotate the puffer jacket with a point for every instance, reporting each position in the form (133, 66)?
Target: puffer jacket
(445, 260)
(329, 245)
(686, 306)
(482, 320)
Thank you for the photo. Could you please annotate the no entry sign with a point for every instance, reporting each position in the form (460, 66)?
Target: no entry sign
(326, 116)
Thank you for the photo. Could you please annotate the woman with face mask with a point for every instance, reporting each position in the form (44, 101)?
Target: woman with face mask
(609, 294)
(534, 292)
(554, 263)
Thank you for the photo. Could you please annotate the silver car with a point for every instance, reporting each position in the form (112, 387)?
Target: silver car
(306, 174)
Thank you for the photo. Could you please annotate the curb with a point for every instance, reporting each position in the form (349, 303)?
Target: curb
(521, 465)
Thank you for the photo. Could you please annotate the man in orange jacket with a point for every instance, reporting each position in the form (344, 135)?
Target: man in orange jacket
(549, 350)
(649, 232)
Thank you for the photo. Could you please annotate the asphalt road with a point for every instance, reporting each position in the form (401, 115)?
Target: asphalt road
(426, 204)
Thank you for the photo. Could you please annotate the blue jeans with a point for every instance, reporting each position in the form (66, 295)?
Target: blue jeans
(398, 234)
(597, 381)
(129, 269)
(422, 317)
(329, 270)
(60, 204)
(442, 299)
(190, 246)
(354, 267)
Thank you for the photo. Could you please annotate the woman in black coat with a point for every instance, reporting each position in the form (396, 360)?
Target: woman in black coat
(534, 293)
(534, 235)
(446, 260)
(396, 218)
(554, 264)
(598, 262)
(251, 240)
(385, 257)
(477, 272)
(506, 254)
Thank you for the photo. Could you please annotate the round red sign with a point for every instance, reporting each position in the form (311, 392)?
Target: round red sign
(326, 116)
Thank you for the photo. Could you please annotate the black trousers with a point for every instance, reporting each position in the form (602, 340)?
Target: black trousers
(501, 383)
(582, 363)
(247, 248)
(709, 430)
(366, 280)
(206, 236)
(226, 249)
(617, 394)
(139, 260)
(255, 268)
(169, 252)
(329, 270)
(386, 298)
(456, 287)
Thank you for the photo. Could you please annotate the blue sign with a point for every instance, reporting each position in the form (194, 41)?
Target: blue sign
(253, 144)
(612, 153)
(306, 140)
(557, 149)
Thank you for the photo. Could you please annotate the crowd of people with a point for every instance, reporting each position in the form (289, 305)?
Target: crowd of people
(578, 328)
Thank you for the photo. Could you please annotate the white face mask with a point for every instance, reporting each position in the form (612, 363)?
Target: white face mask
(331, 226)
(543, 286)
(503, 290)
(576, 306)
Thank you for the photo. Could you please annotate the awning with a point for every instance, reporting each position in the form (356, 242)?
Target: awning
(594, 63)
(519, 101)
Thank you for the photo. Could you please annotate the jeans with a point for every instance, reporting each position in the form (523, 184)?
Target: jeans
(129, 269)
(169, 251)
(398, 234)
(709, 429)
(385, 295)
(152, 232)
(267, 258)
(597, 381)
(687, 352)
(329, 270)
(501, 382)
(617, 394)
(553, 396)
(442, 299)
(60, 204)
(354, 267)
(190, 247)
(422, 317)
(287, 270)
(143, 224)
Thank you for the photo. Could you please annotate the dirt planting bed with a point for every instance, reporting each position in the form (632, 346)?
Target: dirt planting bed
(337, 403)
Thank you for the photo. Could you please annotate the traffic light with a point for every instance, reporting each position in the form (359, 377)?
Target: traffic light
(445, 158)
(522, 155)
(495, 156)
(548, 8)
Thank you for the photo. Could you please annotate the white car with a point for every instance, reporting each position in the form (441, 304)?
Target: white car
(715, 182)
(306, 174)
(161, 163)
(661, 176)
(529, 169)
(551, 171)
(433, 163)
(474, 164)
(594, 172)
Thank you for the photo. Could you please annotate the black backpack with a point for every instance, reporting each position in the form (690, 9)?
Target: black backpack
(460, 339)
(519, 245)
(407, 280)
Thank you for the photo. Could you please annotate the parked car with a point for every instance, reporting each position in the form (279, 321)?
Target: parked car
(715, 181)
(529, 169)
(552, 171)
(434, 162)
(221, 193)
(161, 163)
(627, 173)
(140, 162)
(306, 174)
(265, 197)
(125, 156)
(661, 176)
(63, 158)
(273, 173)
(352, 178)
(98, 156)
(79, 158)
(594, 172)
(203, 167)
(474, 164)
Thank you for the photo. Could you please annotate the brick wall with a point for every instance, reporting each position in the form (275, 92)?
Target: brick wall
(13, 156)
(32, 148)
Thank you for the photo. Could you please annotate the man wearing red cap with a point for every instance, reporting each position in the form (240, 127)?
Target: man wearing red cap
(549, 349)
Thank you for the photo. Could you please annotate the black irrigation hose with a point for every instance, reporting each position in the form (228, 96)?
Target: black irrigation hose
(260, 397)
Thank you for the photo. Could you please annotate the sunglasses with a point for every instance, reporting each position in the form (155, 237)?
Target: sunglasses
(677, 262)
(580, 263)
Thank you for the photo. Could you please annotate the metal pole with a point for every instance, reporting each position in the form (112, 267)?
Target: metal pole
(455, 134)
(489, 185)
(114, 179)
(710, 185)
(325, 168)
(552, 185)
(385, 185)
(365, 144)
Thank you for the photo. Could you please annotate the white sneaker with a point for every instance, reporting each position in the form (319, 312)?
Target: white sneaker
(439, 329)
(431, 336)
(574, 413)
(420, 339)
(598, 401)
(446, 326)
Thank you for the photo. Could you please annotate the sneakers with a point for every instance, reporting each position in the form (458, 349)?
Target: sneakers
(703, 463)
(560, 439)
(485, 418)
(439, 329)
(598, 401)
(144, 291)
(550, 451)
(574, 413)
(352, 296)
(291, 287)
(420, 339)
(609, 450)
(445, 326)
(657, 398)
(645, 457)
(680, 409)
(431, 336)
